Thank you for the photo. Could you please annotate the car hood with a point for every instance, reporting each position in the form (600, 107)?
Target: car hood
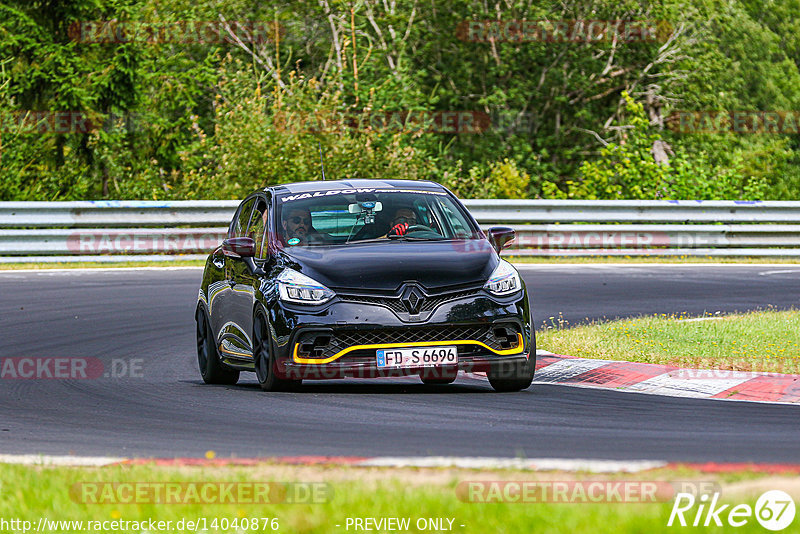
(385, 266)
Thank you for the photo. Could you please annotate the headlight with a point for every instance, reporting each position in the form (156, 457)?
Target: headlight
(299, 288)
(504, 280)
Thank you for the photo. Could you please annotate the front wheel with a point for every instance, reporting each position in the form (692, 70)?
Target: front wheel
(264, 361)
(211, 368)
(513, 376)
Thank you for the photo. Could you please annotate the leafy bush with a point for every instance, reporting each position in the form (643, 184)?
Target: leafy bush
(629, 170)
(501, 179)
(266, 135)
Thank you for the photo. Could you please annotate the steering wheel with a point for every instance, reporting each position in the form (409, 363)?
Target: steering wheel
(419, 231)
(420, 228)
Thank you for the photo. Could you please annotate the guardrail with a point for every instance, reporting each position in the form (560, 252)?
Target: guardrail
(154, 230)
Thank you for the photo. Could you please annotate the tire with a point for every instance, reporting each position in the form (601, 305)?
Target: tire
(438, 377)
(264, 361)
(212, 369)
(513, 376)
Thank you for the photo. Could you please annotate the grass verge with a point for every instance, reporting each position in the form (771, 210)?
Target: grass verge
(67, 494)
(757, 341)
(99, 265)
(648, 259)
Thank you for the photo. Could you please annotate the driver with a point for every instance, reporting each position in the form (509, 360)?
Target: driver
(402, 220)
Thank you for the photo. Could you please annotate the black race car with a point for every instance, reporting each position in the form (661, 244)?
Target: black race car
(362, 278)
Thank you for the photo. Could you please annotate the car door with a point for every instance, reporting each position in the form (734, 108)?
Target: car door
(245, 281)
(226, 317)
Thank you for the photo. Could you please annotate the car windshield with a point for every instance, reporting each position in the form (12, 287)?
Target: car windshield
(342, 217)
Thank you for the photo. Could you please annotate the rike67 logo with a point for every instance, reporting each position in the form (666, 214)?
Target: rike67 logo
(774, 510)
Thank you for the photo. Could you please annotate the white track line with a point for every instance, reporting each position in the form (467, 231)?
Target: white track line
(782, 271)
(40, 459)
(532, 464)
(464, 462)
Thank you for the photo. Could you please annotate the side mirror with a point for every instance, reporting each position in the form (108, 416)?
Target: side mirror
(501, 236)
(244, 247)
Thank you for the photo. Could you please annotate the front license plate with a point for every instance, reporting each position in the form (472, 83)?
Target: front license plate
(417, 357)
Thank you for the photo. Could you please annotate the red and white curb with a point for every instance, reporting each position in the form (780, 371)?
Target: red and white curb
(667, 380)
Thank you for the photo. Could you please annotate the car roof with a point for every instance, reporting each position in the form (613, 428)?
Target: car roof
(332, 185)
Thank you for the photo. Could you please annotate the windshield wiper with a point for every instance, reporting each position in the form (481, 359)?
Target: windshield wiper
(412, 238)
(370, 240)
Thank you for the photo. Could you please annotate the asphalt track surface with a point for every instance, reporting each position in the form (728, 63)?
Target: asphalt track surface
(146, 317)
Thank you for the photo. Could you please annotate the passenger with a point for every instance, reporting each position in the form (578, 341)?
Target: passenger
(296, 224)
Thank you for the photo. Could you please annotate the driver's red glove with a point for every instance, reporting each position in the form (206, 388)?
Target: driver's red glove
(399, 229)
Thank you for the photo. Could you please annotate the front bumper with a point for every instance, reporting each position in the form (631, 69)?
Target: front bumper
(341, 339)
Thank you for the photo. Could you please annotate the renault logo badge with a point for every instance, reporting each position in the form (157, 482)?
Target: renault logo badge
(412, 298)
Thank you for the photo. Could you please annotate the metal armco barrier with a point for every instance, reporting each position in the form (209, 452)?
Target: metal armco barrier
(634, 211)
(167, 230)
(117, 213)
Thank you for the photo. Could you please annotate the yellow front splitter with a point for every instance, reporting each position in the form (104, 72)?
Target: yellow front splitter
(506, 352)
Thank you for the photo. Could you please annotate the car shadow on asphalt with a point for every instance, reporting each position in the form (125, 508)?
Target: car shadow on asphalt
(386, 386)
(372, 386)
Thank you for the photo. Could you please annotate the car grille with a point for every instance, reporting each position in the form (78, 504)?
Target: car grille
(430, 303)
(321, 345)
(396, 305)
(392, 303)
